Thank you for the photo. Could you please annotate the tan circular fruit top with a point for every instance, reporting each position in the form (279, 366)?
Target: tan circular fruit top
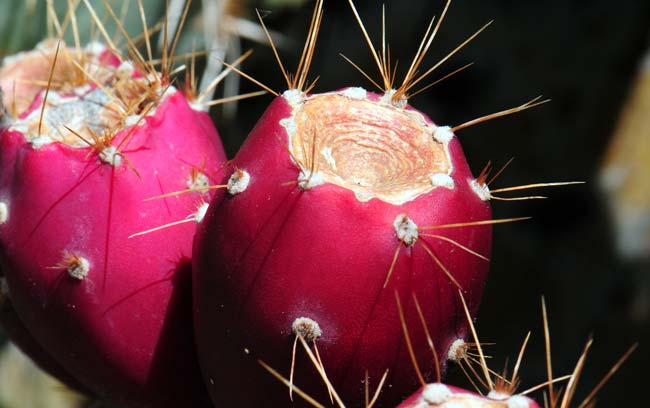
(26, 74)
(373, 148)
(87, 100)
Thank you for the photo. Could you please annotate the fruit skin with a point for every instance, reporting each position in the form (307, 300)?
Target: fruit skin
(125, 329)
(274, 253)
(441, 396)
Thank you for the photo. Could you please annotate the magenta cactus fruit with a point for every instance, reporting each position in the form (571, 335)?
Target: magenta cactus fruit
(97, 285)
(21, 80)
(350, 199)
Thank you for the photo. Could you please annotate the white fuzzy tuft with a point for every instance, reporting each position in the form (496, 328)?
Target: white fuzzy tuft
(46, 45)
(442, 180)
(132, 120)
(355, 93)
(293, 96)
(40, 141)
(436, 393)
(111, 155)
(79, 268)
(55, 98)
(4, 212)
(125, 70)
(198, 181)
(152, 78)
(481, 190)
(238, 182)
(290, 125)
(443, 134)
(497, 396)
(388, 99)
(82, 90)
(95, 47)
(518, 401)
(19, 126)
(169, 91)
(363, 195)
(162, 91)
(406, 229)
(198, 106)
(199, 215)
(10, 59)
(456, 350)
(308, 328)
(307, 180)
(387, 96)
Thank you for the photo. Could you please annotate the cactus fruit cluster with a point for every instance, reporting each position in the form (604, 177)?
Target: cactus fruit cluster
(142, 267)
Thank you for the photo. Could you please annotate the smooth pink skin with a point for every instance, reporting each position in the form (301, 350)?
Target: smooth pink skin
(125, 331)
(413, 400)
(274, 253)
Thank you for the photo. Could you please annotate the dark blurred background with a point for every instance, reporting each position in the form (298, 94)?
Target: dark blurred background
(585, 56)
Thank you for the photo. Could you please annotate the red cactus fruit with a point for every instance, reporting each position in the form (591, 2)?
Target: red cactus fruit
(338, 200)
(347, 202)
(21, 80)
(109, 302)
(346, 197)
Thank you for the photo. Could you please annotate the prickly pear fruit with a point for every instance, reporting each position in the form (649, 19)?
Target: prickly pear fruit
(76, 169)
(343, 199)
